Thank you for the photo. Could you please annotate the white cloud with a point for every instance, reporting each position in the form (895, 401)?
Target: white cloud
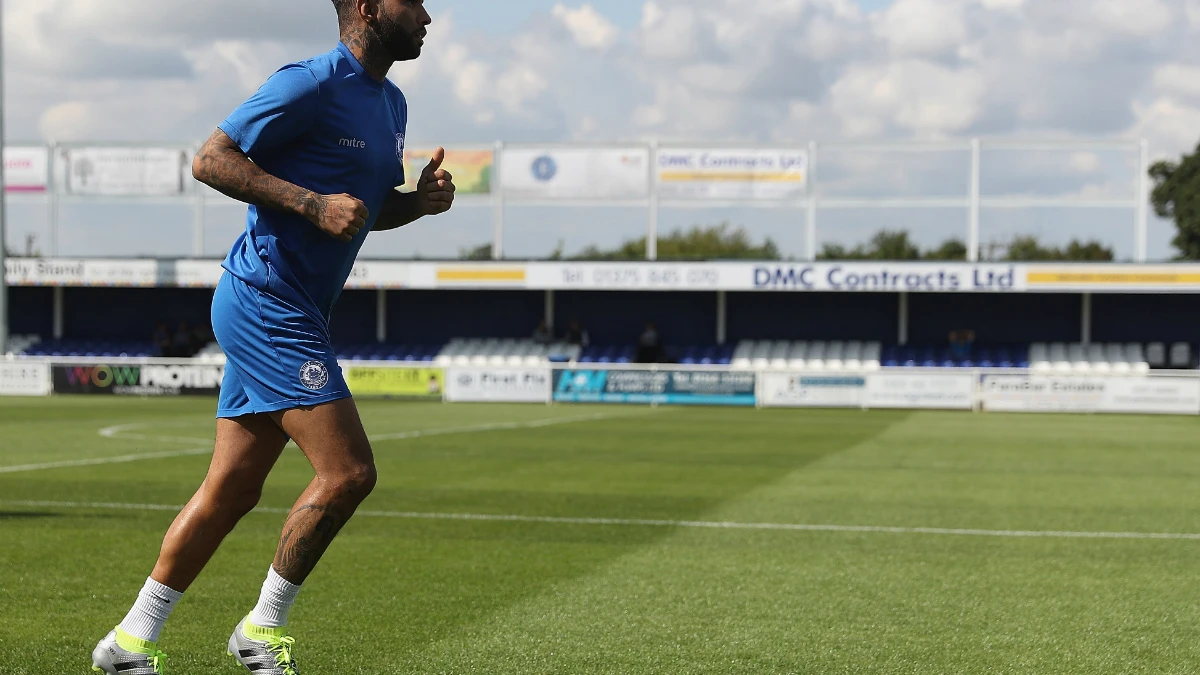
(922, 27)
(589, 28)
(786, 69)
(922, 98)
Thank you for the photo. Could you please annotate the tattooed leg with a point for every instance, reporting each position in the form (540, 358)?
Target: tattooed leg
(310, 528)
(333, 440)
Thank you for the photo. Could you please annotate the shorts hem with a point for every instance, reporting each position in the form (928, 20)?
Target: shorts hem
(280, 406)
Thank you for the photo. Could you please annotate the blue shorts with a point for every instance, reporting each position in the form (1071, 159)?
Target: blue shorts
(277, 356)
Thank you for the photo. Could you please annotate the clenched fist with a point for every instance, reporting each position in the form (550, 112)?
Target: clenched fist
(339, 216)
(435, 189)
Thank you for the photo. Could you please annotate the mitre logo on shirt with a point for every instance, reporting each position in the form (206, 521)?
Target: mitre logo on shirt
(352, 143)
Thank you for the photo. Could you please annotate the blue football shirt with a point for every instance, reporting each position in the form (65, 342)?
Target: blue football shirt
(325, 125)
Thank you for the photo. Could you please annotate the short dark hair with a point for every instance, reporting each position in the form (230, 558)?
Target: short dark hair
(343, 7)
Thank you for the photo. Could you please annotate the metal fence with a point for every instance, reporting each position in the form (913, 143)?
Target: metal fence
(141, 201)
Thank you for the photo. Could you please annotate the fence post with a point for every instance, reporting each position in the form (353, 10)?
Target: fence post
(810, 227)
(497, 204)
(52, 189)
(197, 214)
(652, 226)
(973, 217)
(1141, 227)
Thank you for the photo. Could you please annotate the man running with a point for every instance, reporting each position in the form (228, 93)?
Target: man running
(317, 154)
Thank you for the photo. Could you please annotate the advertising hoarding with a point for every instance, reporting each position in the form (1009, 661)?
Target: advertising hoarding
(138, 379)
(402, 382)
(126, 172)
(1045, 393)
(575, 173)
(668, 386)
(731, 174)
(917, 390)
(25, 378)
(514, 385)
(798, 390)
(26, 169)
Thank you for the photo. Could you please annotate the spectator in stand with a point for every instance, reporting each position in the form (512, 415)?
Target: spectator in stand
(961, 343)
(542, 335)
(181, 343)
(162, 339)
(576, 335)
(650, 345)
(201, 337)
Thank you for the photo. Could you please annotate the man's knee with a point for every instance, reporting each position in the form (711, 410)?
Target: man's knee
(234, 497)
(357, 482)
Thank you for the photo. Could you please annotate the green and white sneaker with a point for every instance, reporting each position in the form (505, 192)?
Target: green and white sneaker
(119, 653)
(263, 651)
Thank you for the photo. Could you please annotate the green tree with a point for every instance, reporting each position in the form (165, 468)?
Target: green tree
(1176, 195)
(951, 249)
(720, 242)
(884, 245)
(481, 252)
(1029, 249)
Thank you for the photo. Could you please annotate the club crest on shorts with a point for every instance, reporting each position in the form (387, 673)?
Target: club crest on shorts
(314, 375)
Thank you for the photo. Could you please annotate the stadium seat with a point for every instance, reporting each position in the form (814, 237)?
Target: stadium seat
(1156, 355)
(1097, 359)
(779, 353)
(1181, 355)
(798, 355)
(871, 357)
(835, 355)
(852, 357)
(816, 355)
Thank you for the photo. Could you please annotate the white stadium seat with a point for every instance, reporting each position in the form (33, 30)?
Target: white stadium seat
(872, 353)
(816, 356)
(835, 356)
(1181, 355)
(798, 355)
(1057, 357)
(1097, 359)
(779, 353)
(1156, 355)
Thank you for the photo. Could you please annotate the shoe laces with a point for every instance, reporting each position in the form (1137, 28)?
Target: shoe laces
(158, 661)
(281, 649)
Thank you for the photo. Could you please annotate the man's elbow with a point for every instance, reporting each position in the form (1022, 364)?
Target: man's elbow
(200, 164)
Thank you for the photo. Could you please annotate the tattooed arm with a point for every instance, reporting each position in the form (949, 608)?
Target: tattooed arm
(223, 166)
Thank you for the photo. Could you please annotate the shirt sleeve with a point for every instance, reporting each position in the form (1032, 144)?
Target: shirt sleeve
(281, 111)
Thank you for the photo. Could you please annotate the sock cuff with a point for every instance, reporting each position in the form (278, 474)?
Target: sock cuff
(260, 633)
(165, 592)
(279, 582)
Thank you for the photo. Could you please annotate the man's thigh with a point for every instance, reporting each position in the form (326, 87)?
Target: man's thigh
(246, 450)
(331, 435)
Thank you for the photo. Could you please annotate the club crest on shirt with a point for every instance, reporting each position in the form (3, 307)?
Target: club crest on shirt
(314, 375)
(400, 147)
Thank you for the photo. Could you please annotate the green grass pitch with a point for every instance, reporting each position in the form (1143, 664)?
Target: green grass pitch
(404, 594)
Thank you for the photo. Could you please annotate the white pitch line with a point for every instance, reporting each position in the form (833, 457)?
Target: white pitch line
(119, 432)
(123, 459)
(641, 522)
(497, 426)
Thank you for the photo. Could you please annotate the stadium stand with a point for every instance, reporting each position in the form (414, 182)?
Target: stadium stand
(96, 348)
(813, 355)
(503, 352)
(1063, 358)
(389, 352)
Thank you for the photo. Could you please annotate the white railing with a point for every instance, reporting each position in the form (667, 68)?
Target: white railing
(1018, 390)
(819, 192)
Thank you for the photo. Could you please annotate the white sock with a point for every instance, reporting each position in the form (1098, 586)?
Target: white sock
(152, 609)
(276, 600)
